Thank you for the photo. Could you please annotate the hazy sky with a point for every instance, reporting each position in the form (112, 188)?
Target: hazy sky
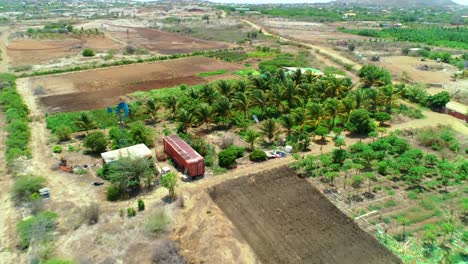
(464, 2)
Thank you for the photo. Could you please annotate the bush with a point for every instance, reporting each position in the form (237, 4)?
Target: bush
(36, 227)
(27, 185)
(96, 141)
(91, 214)
(113, 193)
(57, 149)
(141, 205)
(360, 122)
(131, 212)
(157, 221)
(63, 133)
(57, 261)
(88, 53)
(258, 155)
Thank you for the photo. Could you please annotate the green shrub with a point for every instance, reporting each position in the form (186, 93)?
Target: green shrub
(36, 227)
(113, 193)
(58, 261)
(157, 221)
(141, 205)
(63, 133)
(227, 157)
(57, 149)
(131, 212)
(27, 185)
(258, 155)
(96, 141)
(88, 53)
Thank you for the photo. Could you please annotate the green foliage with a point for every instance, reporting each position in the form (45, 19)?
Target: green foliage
(438, 100)
(231, 56)
(169, 181)
(373, 76)
(454, 37)
(258, 155)
(17, 143)
(247, 72)
(27, 185)
(157, 221)
(63, 133)
(141, 205)
(282, 60)
(57, 261)
(96, 141)
(139, 133)
(211, 73)
(227, 157)
(88, 53)
(360, 122)
(113, 192)
(131, 212)
(438, 138)
(57, 149)
(38, 227)
(382, 117)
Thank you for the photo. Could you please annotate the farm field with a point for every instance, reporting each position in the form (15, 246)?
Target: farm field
(164, 42)
(32, 51)
(99, 88)
(294, 224)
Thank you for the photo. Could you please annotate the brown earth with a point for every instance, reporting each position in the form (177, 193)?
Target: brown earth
(165, 42)
(99, 88)
(32, 51)
(285, 219)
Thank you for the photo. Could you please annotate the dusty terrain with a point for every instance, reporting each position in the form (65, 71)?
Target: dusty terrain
(164, 42)
(32, 51)
(296, 224)
(99, 88)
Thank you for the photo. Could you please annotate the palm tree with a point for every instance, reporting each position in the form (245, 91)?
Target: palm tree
(225, 88)
(241, 86)
(243, 103)
(205, 114)
(152, 108)
(347, 105)
(223, 108)
(372, 99)
(275, 95)
(208, 93)
(251, 137)
(336, 87)
(186, 119)
(290, 92)
(332, 108)
(316, 113)
(172, 103)
(85, 122)
(361, 99)
(387, 97)
(269, 129)
(287, 121)
(300, 117)
(259, 99)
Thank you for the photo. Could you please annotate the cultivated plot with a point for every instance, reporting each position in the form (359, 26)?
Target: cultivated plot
(287, 220)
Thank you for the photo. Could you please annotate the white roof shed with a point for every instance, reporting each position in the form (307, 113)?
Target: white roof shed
(138, 151)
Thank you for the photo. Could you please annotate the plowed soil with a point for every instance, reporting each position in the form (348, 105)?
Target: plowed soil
(285, 219)
(165, 42)
(31, 51)
(100, 88)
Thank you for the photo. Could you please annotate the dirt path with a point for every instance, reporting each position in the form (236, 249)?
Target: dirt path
(9, 214)
(321, 49)
(5, 32)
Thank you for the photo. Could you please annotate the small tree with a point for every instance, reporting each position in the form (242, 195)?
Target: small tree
(141, 205)
(360, 122)
(169, 181)
(370, 176)
(322, 132)
(438, 100)
(251, 137)
(88, 53)
(96, 141)
(351, 47)
(63, 133)
(207, 18)
(382, 117)
(139, 133)
(258, 155)
(405, 51)
(85, 122)
(269, 129)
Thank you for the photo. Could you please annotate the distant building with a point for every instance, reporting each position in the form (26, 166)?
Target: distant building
(136, 151)
(238, 9)
(349, 14)
(457, 110)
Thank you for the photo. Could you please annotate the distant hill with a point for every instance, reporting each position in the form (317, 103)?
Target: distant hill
(400, 2)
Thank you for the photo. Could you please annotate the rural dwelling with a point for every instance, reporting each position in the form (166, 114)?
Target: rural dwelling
(140, 150)
(291, 70)
(457, 110)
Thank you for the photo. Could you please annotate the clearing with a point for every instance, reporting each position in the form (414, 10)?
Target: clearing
(295, 224)
(100, 88)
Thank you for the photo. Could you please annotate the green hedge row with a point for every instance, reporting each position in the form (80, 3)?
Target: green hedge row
(17, 118)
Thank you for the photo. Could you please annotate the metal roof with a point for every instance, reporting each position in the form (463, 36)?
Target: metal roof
(138, 151)
(184, 149)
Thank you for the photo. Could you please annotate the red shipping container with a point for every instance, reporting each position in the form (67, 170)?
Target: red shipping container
(184, 156)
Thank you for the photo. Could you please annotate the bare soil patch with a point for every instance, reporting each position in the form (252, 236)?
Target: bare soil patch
(287, 220)
(99, 88)
(165, 42)
(32, 51)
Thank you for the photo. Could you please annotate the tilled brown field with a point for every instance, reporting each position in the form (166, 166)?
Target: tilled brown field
(102, 87)
(287, 220)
